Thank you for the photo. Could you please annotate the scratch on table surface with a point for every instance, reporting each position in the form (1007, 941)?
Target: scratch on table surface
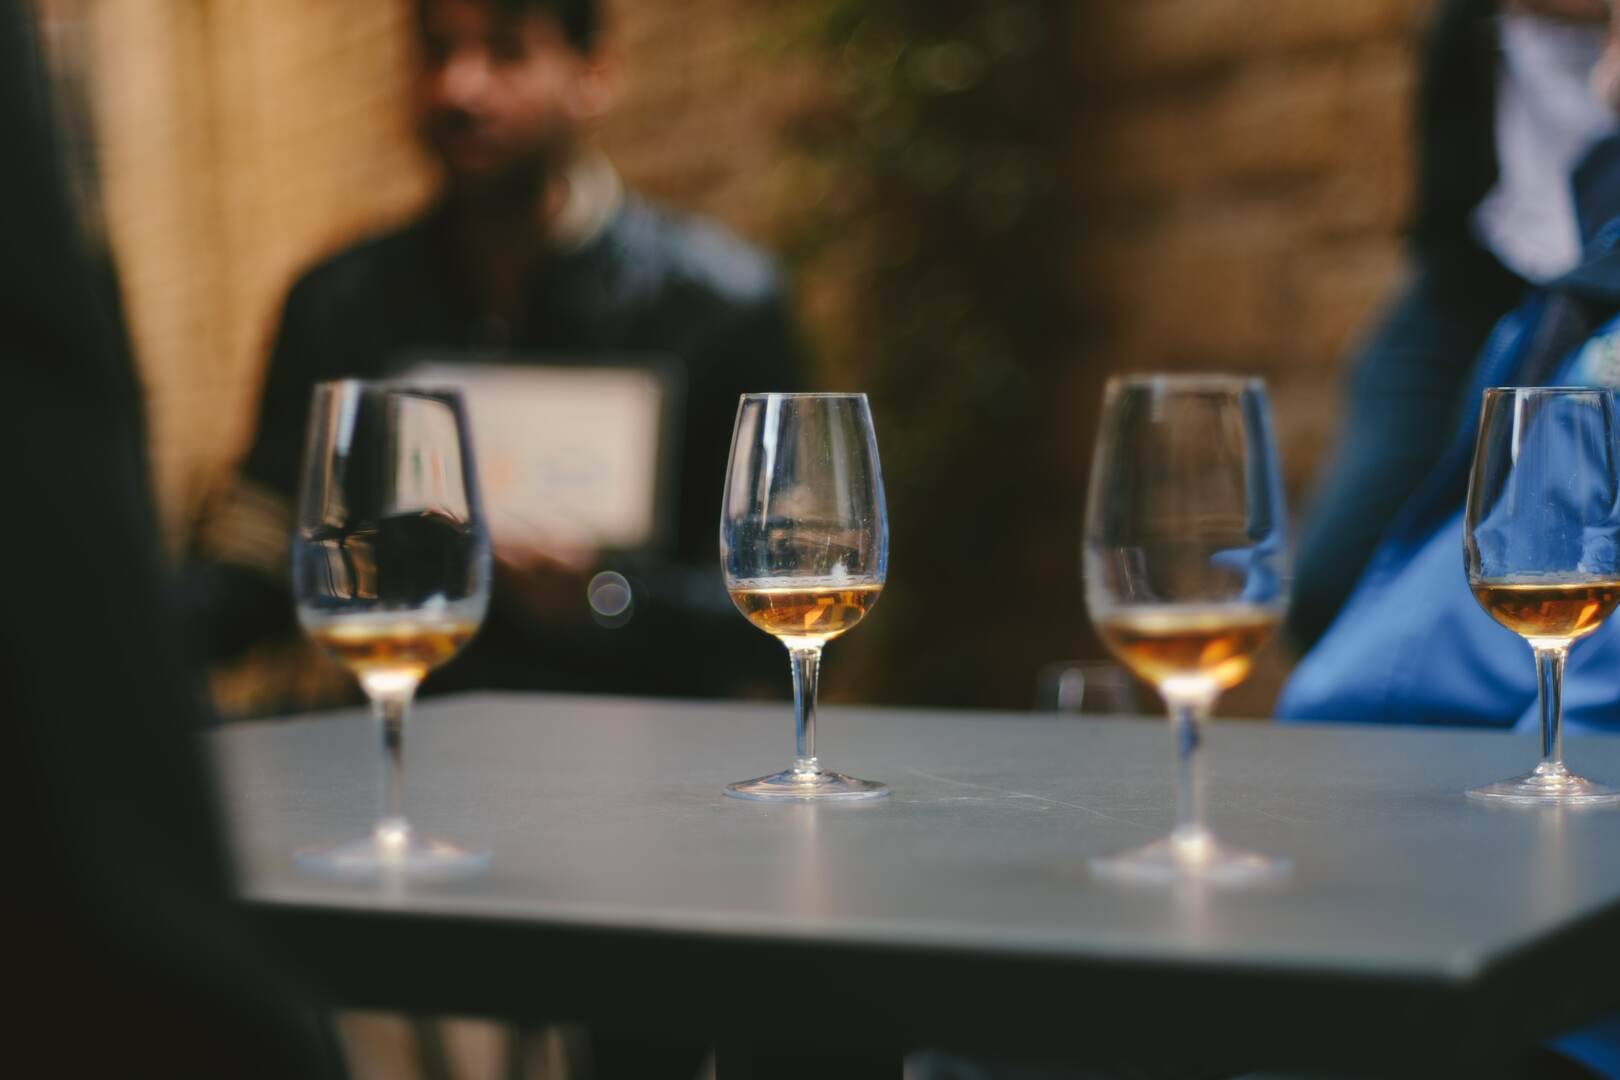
(1045, 800)
(1273, 815)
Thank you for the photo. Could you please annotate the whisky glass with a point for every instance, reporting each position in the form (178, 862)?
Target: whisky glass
(804, 543)
(1540, 545)
(1186, 578)
(390, 571)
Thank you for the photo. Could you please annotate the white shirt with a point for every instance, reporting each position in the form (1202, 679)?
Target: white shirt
(1547, 118)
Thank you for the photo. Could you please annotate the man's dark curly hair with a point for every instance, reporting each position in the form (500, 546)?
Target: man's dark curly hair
(581, 20)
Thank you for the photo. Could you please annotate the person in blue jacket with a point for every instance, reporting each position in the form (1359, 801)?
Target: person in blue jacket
(1504, 112)
(1410, 645)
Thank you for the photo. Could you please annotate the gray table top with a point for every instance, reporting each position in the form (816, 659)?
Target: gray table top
(607, 824)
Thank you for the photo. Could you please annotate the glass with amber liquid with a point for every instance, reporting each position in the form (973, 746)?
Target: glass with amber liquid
(804, 543)
(390, 568)
(1186, 578)
(1540, 538)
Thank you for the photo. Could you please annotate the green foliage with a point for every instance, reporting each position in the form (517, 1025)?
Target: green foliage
(928, 202)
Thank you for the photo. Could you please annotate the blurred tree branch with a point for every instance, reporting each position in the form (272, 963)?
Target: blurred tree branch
(929, 225)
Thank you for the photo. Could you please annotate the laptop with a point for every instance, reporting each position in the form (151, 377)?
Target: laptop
(572, 452)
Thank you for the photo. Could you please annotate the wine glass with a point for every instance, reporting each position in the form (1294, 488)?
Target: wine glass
(1185, 577)
(390, 569)
(804, 542)
(1539, 542)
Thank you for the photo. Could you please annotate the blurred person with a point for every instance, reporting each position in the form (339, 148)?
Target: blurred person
(1505, 112)
(534, 251)
(1411, 645)
(126, 948)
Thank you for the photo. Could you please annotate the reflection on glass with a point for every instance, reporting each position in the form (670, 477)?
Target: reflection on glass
(1184, 570)
(1540, 544)
(390, 569)
(1086, 686)
(804, 542)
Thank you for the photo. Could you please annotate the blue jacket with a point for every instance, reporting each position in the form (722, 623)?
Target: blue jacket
(1412, 646)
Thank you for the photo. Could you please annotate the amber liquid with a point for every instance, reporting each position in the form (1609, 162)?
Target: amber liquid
(1557, 610)
(392, 645)
(1213, 643)
(810, 612)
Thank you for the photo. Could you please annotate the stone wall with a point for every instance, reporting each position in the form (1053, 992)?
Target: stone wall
(1244, 167)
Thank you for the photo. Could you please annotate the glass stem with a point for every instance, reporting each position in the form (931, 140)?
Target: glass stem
(806, 671)
(389, 706)
(1550, 695)
(1188, 712)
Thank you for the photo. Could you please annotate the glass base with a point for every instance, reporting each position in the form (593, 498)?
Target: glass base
(808, 784)
(1198, 857)
(391, 852)
(1548, 785)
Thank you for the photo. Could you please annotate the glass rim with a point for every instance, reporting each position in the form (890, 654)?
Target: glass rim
(783, 394)
(1187, 380)
(404, 386)
(1500, 391)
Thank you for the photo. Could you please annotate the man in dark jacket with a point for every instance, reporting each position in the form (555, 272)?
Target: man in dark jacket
(124, 947)
(534, 252)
